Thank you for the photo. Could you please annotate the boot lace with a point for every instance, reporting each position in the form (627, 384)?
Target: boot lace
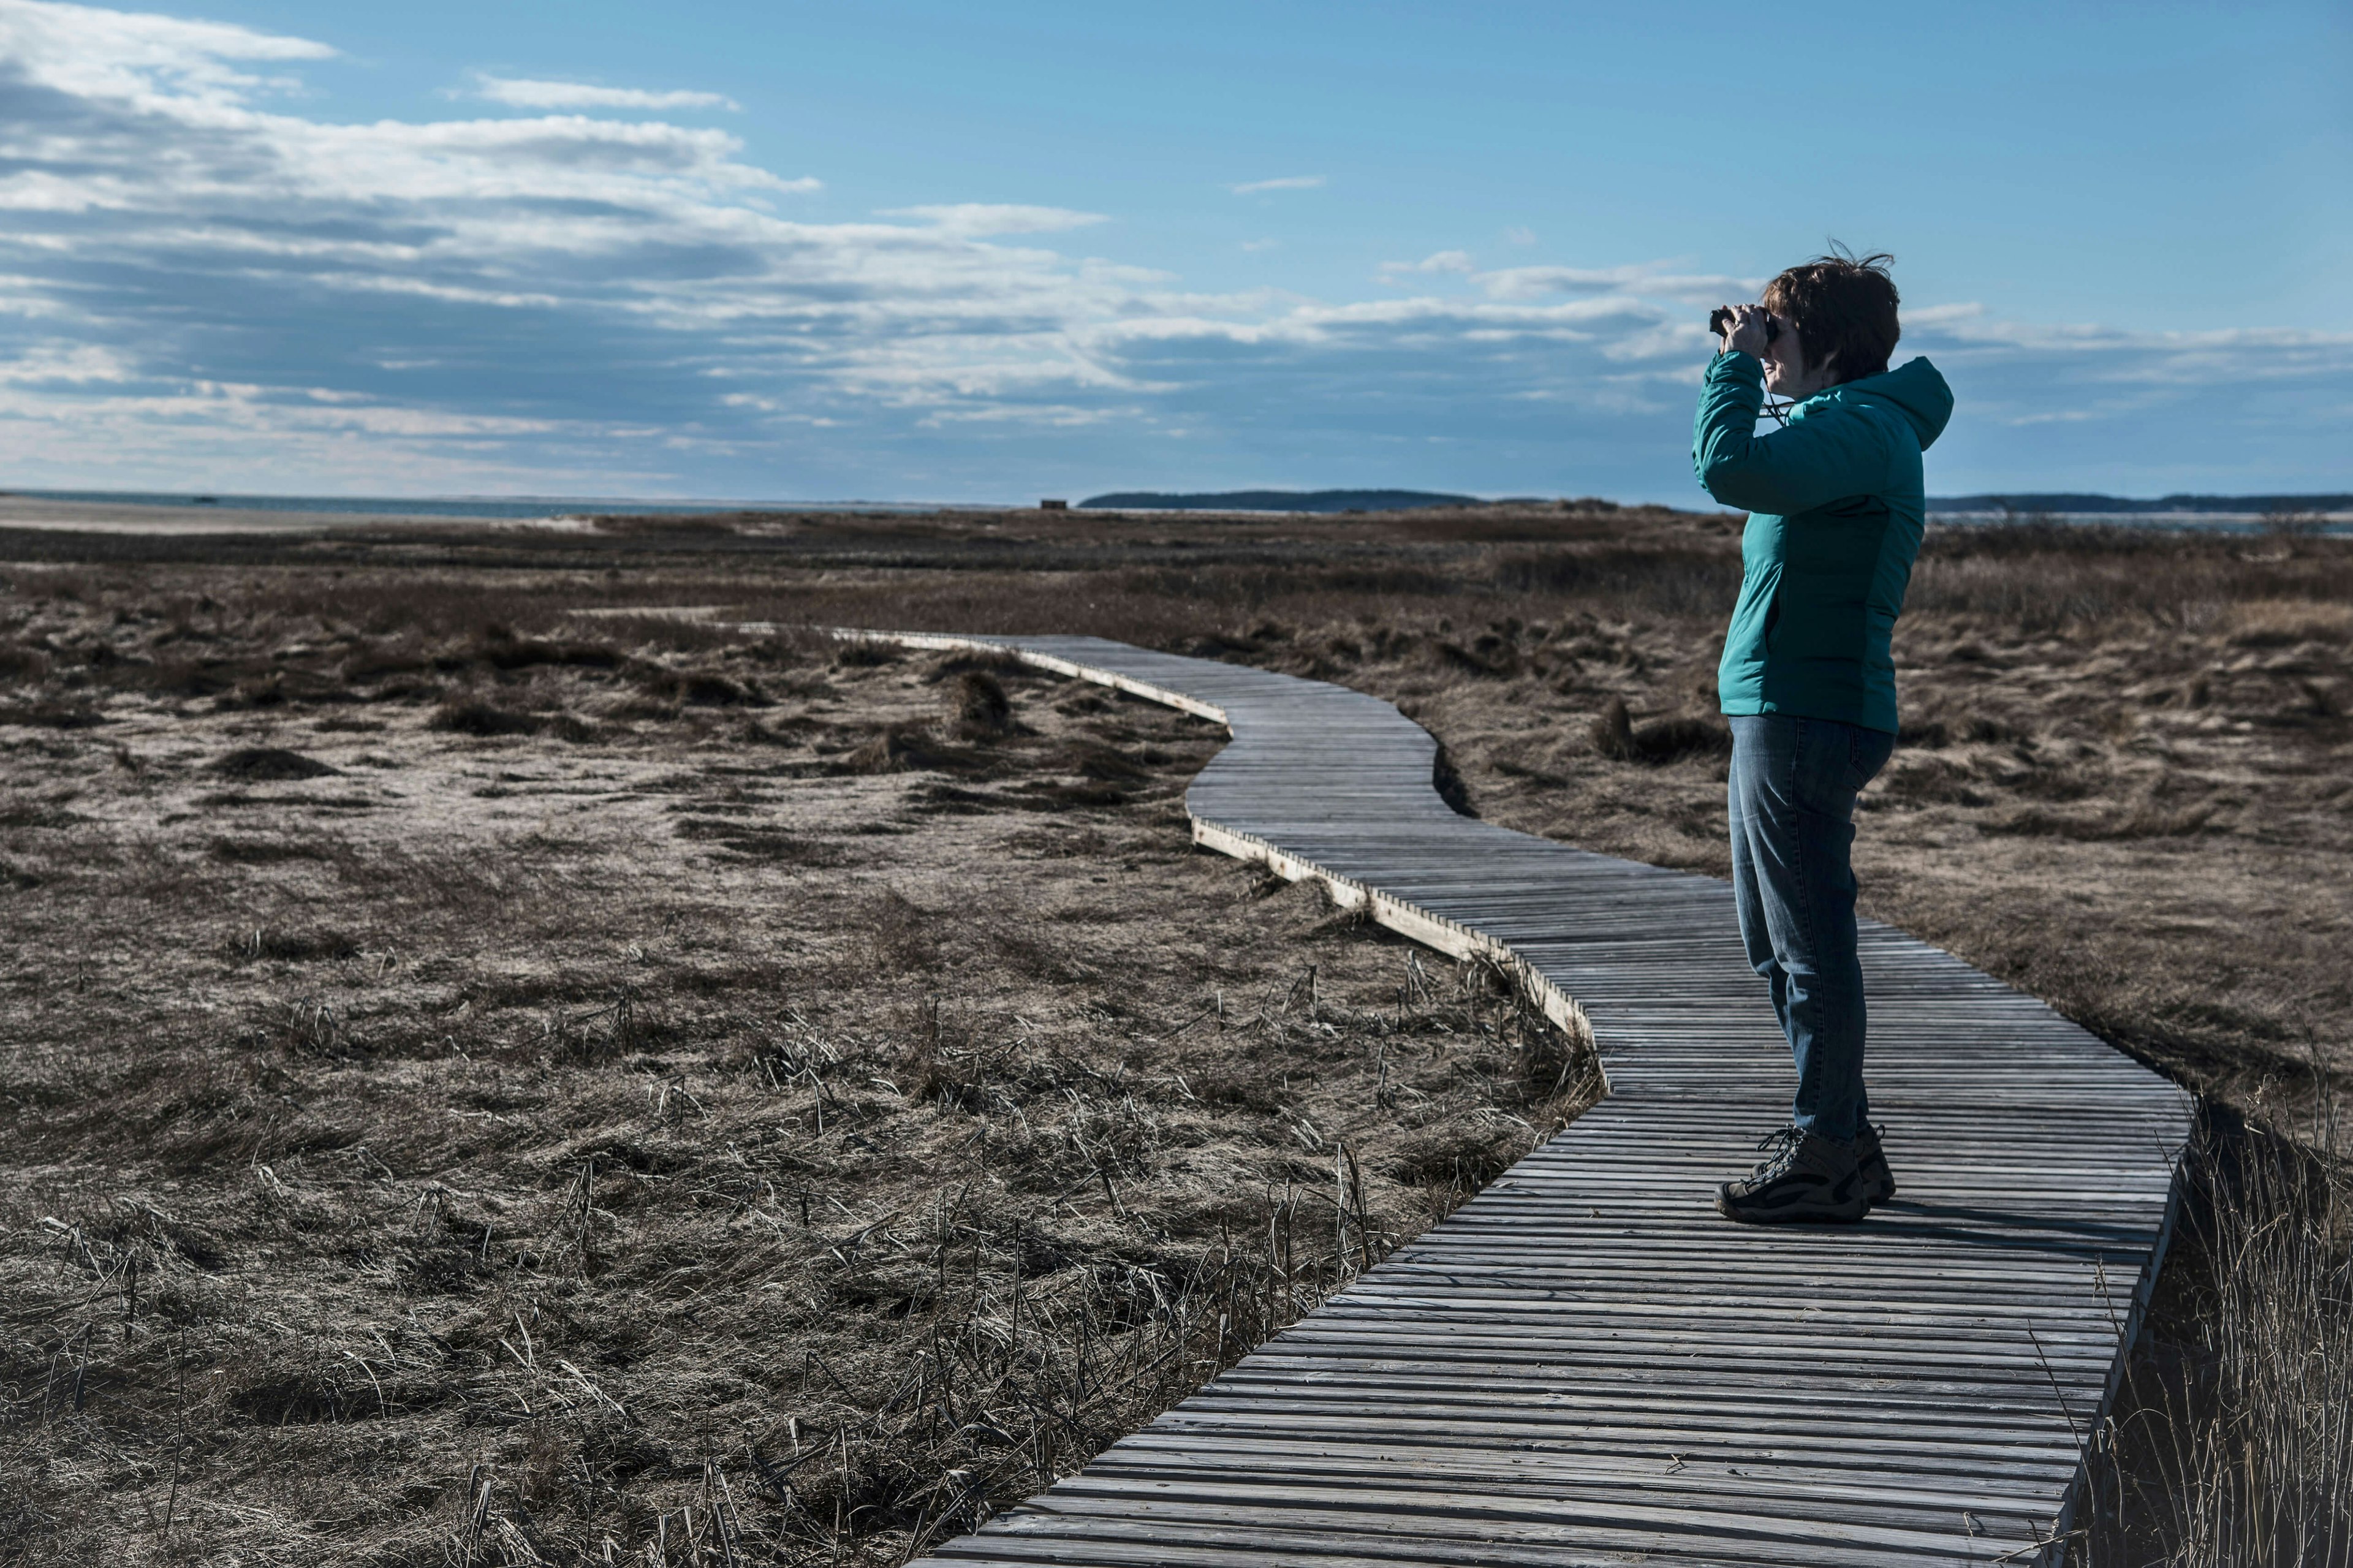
(1780, 1150)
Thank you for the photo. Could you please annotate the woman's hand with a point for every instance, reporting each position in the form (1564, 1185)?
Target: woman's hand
(1748, 333)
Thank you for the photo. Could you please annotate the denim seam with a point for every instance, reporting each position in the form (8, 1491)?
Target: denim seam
(1809, 1080)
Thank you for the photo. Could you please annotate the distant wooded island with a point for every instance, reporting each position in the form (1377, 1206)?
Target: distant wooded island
(2071, 501)
(2025, 503)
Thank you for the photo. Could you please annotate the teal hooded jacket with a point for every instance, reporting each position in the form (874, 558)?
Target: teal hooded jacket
(1835, 508)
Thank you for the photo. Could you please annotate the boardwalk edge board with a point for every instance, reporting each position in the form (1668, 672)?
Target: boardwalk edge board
(1432, 931)
(2035, 1286)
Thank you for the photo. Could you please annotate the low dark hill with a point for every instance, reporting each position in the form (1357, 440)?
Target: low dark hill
(2065, 501)
(1276, 501)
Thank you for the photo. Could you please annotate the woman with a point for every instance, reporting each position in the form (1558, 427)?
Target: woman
(1835, 506)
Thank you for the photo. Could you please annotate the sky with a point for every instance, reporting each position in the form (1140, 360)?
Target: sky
(924, 251)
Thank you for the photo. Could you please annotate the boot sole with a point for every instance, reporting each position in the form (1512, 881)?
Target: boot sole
(1848, 1213)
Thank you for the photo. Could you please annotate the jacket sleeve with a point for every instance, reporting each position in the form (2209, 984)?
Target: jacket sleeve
(1808, 463)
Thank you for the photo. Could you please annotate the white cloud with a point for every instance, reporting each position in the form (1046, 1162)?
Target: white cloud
(2160, 363)
(974, 219)
(1519, 234)
(82, 50)
(1287, 183)
(1942, 315)
(526, 92)
(80, 363)
(1444, 261)
(1535, 282)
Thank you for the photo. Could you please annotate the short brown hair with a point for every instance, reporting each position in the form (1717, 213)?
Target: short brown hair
(1843, 307)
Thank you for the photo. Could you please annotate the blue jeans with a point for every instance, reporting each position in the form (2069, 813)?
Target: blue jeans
(1792, 792)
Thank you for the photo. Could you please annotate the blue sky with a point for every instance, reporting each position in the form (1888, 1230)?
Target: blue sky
(932, 251)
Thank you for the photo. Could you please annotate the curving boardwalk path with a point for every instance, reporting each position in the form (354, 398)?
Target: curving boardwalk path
(1584, 1365)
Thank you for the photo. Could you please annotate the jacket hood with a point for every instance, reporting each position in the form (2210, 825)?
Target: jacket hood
(1913, 389)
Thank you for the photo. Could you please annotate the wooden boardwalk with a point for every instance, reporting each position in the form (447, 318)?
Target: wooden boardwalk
(1584, 1365)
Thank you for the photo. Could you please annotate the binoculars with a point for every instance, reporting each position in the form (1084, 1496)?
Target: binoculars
(1719, 321)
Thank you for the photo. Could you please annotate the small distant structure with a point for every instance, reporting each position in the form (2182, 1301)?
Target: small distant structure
(1050, 504)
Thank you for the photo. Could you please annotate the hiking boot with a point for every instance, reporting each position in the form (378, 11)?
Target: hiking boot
(1805, 1179)
(1878, 1181)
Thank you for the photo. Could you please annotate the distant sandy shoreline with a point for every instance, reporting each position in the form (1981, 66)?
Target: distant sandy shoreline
(129, 517)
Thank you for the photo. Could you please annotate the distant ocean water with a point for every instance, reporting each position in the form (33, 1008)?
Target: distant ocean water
(2334, 522)
(185, 512)
(504, 509)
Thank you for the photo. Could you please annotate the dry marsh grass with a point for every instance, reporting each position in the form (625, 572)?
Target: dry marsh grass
(2230, 1443)
(781, 1128)
(726, 1094)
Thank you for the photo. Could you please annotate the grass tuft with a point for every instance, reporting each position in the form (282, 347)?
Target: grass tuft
(982, 707)
(273, 763)
(1657, 742)
(472, 716)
